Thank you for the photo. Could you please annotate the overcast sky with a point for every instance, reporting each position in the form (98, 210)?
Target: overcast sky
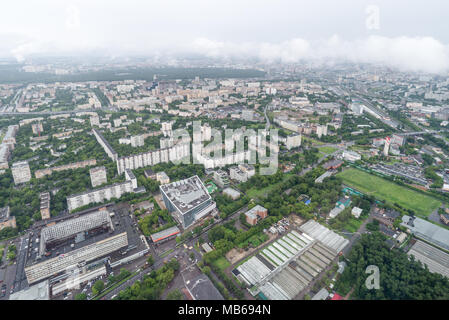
(409, 34)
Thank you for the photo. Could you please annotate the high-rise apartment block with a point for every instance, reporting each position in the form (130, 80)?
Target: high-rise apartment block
(98, 176)
(21, 172)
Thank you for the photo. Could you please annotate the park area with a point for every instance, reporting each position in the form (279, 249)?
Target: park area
(327, 150)
(388, 191)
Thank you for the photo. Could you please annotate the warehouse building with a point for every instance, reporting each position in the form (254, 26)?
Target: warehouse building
(188, 200)
(165, 235)
(74, 228)
(40, 291)
(73, 259)
(328, 237)
(427, 231)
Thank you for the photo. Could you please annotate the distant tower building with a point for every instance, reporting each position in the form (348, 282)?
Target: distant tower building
(166, 128)
(248, 115)
(321, 131)
(293, 141)
(21, 172)
(137, 141)
(387, 146)
(94, 121)
(98, 176)
(206, 132)
(37, 128)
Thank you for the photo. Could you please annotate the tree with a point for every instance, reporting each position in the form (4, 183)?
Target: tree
(175, 295)
(98, 287)
(150, 260)
(81, 296)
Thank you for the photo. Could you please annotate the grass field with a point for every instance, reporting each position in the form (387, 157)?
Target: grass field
(327, 150)
(221, 263)
(388, 191)
(259, 193)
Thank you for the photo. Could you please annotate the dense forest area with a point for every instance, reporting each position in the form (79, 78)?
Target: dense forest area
(401, 277)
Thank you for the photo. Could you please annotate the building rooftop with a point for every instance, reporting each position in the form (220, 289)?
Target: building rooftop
(428, 231)
(201, 288)
(4, 214)
(186, 194)
(253, 211)
(40, 291)
(20, 164)
(164, 234)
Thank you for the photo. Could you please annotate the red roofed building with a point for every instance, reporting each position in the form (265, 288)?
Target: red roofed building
(337, 297)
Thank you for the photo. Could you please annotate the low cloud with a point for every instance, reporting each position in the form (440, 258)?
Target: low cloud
(416, 54)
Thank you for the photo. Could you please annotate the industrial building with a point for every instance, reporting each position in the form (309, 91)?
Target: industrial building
(98, 176)
(324, 235)
(188, 200)
(40, 291)
(73, 249)
(64, 262)
(286, 267)
(165, 235)
(74, 229)
(21, 172)
(325, 175)
(427, 231)
(436, 260)
(351, 156)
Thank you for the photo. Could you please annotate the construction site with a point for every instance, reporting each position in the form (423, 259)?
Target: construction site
(287, 266)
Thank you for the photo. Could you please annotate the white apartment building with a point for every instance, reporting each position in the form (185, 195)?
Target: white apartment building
(98, 176)
(293, 141)
(137, 141)
(21, 172)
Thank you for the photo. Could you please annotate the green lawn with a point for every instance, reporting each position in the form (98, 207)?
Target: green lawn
(388, 191)
(315, 142)
(353, 224)
(221, 263)
(327, 150)
(259, 193)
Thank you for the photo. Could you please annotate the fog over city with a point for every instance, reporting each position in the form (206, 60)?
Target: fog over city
(393, 33)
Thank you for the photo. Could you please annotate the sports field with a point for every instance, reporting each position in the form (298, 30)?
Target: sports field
(388, 191)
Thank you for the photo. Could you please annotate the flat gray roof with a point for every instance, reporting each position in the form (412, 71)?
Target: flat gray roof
(428, 231)
(186, 194)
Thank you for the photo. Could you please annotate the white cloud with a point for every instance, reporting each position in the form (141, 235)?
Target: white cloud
(72, 21)
(416, 54)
